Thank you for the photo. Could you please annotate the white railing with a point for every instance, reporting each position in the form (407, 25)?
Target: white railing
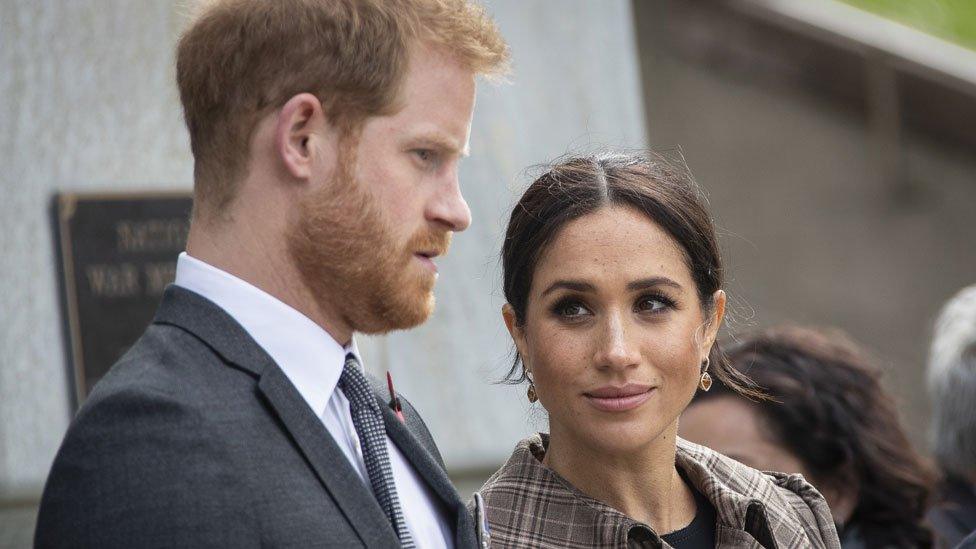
(903, 47)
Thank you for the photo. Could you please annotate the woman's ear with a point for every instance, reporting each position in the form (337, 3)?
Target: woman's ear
(514, 329)
(714, 322)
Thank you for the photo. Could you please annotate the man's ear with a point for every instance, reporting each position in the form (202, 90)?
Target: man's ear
(714, 321)
(516, 331)
(301, 121)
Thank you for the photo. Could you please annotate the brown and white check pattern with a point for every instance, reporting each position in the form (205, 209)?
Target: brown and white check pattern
(529, 505)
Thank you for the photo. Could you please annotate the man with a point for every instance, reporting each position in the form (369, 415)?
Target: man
(326, 137)
(952, 386)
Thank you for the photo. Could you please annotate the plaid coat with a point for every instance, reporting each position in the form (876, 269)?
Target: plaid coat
(526, 504)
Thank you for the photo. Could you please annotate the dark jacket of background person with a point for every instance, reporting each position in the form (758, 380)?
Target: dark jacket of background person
(828, 408)
(771, 509)
(952, 388)
(954, 515)
(196, 438)
(969, 542)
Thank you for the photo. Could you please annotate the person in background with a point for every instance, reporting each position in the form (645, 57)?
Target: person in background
(952, 387)
(613, 283)
(828, 418)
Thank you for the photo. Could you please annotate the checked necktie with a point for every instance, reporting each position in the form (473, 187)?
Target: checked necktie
(368, 420)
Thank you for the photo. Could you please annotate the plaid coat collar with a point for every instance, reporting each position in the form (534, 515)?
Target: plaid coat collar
(529, 505)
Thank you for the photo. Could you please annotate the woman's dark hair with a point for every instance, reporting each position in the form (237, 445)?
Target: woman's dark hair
(827, 407)
(660, 189)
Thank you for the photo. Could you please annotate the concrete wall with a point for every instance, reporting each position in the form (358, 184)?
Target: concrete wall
(812, 232)
(89, 103)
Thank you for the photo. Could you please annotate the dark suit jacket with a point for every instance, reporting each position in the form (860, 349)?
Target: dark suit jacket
(196, 438)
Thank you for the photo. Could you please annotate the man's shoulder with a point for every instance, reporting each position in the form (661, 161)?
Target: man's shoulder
(168, 390)
(166, 361)
(162, 380)
(149, 436)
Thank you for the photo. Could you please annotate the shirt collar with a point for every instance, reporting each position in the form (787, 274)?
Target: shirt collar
(306, 353)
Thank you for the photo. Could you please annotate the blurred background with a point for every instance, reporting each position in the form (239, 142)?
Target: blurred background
(836, 141)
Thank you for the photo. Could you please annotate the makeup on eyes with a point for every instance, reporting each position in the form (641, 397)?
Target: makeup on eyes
(574, 305)
(559, 308)
(664, 300)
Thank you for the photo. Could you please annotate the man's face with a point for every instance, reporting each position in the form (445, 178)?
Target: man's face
(364, 243)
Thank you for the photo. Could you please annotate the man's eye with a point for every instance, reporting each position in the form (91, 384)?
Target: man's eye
(425, 155)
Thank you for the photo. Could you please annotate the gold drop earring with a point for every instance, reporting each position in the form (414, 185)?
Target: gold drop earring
(530, 393)
(706, 379)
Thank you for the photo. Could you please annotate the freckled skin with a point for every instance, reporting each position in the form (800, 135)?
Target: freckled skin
(438, 102)
(617, 341)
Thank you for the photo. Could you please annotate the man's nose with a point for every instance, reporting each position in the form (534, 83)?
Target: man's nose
(448, 207)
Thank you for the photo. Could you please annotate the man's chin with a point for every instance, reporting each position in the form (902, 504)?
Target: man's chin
(402, 317)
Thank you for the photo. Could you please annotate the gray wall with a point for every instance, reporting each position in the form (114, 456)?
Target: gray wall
(89, 104)
(812, 232)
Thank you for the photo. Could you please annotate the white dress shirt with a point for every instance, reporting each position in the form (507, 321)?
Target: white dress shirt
(313, 362)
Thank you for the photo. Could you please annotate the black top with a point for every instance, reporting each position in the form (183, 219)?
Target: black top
(700, 534)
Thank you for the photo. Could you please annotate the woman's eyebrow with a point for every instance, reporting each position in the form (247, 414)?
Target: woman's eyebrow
(646, 283)
(581, 286)
(576, 285)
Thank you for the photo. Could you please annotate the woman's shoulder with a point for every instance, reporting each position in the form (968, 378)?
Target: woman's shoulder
(783, 506)
(521, 467)
(524, 480)
(522, 476)
(529, 505)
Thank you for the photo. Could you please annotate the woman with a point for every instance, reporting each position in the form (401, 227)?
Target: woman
(613, 281)
(828, 418)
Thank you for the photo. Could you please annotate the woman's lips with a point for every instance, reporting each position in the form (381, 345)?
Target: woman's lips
(619, 399)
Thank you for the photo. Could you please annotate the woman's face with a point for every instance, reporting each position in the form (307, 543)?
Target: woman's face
(614, 332)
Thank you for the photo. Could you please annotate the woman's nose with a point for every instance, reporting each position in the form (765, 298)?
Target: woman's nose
(617, 350)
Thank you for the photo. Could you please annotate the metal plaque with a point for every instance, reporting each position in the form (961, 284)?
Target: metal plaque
(117, 253)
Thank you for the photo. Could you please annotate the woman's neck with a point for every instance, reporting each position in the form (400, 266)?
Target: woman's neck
(644, 484)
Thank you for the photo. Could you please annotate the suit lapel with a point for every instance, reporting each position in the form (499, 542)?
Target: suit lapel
(218, 330)
(327, 460)
(432, 473)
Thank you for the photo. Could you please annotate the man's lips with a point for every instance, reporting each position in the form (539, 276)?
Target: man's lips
(427, 259)
(620, 398)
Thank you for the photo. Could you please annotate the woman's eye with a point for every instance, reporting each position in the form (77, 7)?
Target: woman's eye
(571, 309)
(653, 304)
